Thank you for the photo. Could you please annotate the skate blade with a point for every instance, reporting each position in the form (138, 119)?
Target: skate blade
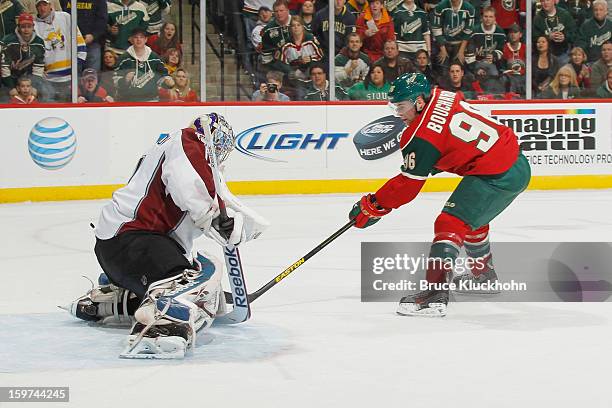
(159, 348)
(411, 309)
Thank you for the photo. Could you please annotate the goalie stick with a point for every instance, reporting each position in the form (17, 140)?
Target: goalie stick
(241, 312)
(252, 296)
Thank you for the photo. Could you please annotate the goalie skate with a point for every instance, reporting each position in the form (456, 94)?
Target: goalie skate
(432, 303)
(161, 343)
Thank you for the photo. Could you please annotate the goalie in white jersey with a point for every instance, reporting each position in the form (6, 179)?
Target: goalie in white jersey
(144, 242)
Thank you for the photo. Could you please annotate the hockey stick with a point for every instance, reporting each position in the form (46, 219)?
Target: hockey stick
(252, 296)
(241, 312)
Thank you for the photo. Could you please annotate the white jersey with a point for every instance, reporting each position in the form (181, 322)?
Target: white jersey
(171, 188)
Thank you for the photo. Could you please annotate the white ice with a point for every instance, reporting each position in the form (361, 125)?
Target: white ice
(311, 342)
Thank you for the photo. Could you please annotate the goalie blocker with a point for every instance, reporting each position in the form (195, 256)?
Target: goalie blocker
(145, 235)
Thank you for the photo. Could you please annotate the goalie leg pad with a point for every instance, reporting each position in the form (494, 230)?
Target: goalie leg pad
(172, 312)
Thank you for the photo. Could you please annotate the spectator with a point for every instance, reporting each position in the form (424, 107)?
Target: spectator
(515, 60)
(356, 7)
(317, 89)
(351, 65)
(580, 10)
(563, 85)
(452, 27)
(345, 24)
(90, 90)
(583, 73)
(544, 65)
(423, 65)
(487, 42)
(506, 12)
(374, 88)
(30, 6)
(54, 29)
(594, 32)
(493, 85)
(167, 38)
(24, 92)
(251, 13)
(270, 91)
(307, 12)
(265, 16)
(123, 17)
(558, 26)
(600, 69)
(180, 91)
(295, 6)
(456, 81)
(92, 16)
(9, 11)
(23, 53)
(172, 60)
(392, 63)
(375, 27)
(275, 35)
(299, 53)
(140, 71)
(411, 25)
(605, 90)
(107, 74)
(157, 11)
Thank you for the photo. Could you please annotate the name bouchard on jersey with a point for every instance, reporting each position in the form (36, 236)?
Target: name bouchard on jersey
(440, 112)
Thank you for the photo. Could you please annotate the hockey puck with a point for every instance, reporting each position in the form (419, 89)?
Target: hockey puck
(379, 138)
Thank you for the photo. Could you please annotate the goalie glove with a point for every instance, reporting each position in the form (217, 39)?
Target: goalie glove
(229, 231)
(367, 211)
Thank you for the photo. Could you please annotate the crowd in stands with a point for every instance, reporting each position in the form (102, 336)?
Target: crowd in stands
(127, 50)
(475, 47)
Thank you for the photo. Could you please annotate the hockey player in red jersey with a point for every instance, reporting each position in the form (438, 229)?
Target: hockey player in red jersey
(444, 133)
(145, 236)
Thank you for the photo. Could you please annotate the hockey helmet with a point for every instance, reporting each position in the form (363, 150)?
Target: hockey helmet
(213, 130)
(408, 87)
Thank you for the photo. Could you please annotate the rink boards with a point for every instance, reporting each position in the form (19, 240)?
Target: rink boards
(66, 152)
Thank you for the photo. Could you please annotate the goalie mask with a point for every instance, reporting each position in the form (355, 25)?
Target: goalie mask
(213, 129)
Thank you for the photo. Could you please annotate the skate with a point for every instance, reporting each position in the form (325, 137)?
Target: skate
(105, 304)
(429, 303)
(160, 342)
(482, 284)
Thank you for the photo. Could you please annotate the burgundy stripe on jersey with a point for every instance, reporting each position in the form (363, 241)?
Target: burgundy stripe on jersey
(196, 153)
(156, 211)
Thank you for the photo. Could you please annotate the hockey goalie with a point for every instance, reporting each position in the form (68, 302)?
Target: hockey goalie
(145, 236)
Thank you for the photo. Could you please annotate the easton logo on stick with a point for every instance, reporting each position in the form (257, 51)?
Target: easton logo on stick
(290, 269)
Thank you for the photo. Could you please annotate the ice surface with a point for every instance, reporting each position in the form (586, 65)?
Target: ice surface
(310, 341)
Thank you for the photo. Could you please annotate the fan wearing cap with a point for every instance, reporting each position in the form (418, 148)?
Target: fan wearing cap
(444, 133)
(9, 10)
(53, 26)
(514, 60)
(90, 90)
(140, 72)
(123, 17)
(23, 53)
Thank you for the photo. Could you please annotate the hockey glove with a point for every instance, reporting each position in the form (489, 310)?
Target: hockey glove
(229, 231)
(367, 212)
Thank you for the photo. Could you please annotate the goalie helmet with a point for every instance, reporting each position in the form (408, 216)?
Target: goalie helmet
(408, 87)
(212, 128)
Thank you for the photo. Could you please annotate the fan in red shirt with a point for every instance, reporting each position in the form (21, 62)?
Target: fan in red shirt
(375, 27)
(25, 92)
(444, 133)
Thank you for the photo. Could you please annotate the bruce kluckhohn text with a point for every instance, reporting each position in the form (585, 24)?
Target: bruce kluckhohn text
(467, 285)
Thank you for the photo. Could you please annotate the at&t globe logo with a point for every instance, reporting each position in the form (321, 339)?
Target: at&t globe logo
(52, 143)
